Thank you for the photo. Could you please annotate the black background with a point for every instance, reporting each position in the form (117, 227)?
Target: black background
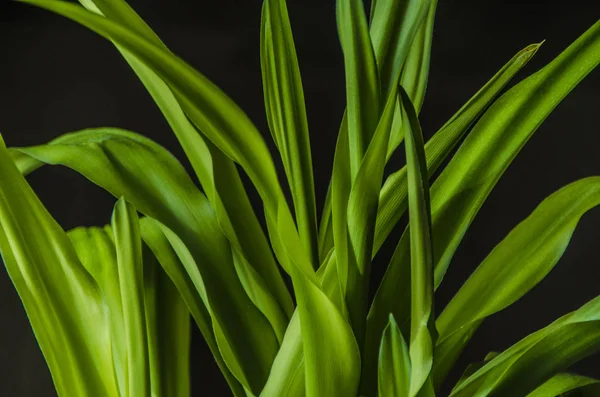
(56, 77)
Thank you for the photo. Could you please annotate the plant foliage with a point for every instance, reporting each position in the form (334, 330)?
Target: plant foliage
(110, 306)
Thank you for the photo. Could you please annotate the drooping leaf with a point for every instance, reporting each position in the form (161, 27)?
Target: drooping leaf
(539, 356)
(63, 302)
(517, 264)
(286, 114)
(128, 165)
(216, 173)
(394, 370)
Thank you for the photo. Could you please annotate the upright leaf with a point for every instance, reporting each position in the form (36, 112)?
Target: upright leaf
(421, 270)
(128, 245)
(286, 114)
(394, 371)
(416, 68)
(362, 81)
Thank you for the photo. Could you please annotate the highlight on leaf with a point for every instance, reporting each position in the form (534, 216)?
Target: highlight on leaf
(285, 310)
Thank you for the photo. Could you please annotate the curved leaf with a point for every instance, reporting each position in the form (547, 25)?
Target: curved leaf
(116, 160)
(63, 302)
(560, 384)
(536, 358)
(517, 264)
(217, 173)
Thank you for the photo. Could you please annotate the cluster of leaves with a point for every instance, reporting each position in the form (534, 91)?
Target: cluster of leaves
(110, 306)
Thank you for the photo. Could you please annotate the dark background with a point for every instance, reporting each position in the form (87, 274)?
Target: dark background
(56, 77)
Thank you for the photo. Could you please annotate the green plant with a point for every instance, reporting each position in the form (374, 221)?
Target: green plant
(109, 306)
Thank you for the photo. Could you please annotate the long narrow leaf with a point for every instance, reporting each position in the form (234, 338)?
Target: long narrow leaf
(362, 81)
(516, 265)
(536, 358)
(394, 370)
(459, 192)
(217, 173)
(128, 244)
(286, 114)
(421, 279)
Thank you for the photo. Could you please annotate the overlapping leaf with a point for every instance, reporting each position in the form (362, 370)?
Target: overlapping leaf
(63, 302)
(516, 265)
(217, 173)
(459, 192)
(128, 165)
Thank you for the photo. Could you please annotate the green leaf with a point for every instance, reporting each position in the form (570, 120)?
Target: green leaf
(362, 82)
(63, 302)
(217, 173)
(394, 370)
(392, 200)
(191, 287)
(286, 114)
(416, 68)
(287, 377)
(128, 245)
(167, 318)
(422, 330)
(459, 192)
(394, 25)
(560, 384)
(536, 358)
(393, 195)
(114, 160)
(517, 264)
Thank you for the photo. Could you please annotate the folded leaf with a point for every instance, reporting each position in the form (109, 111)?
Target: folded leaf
(394, 371)
(517, 264)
